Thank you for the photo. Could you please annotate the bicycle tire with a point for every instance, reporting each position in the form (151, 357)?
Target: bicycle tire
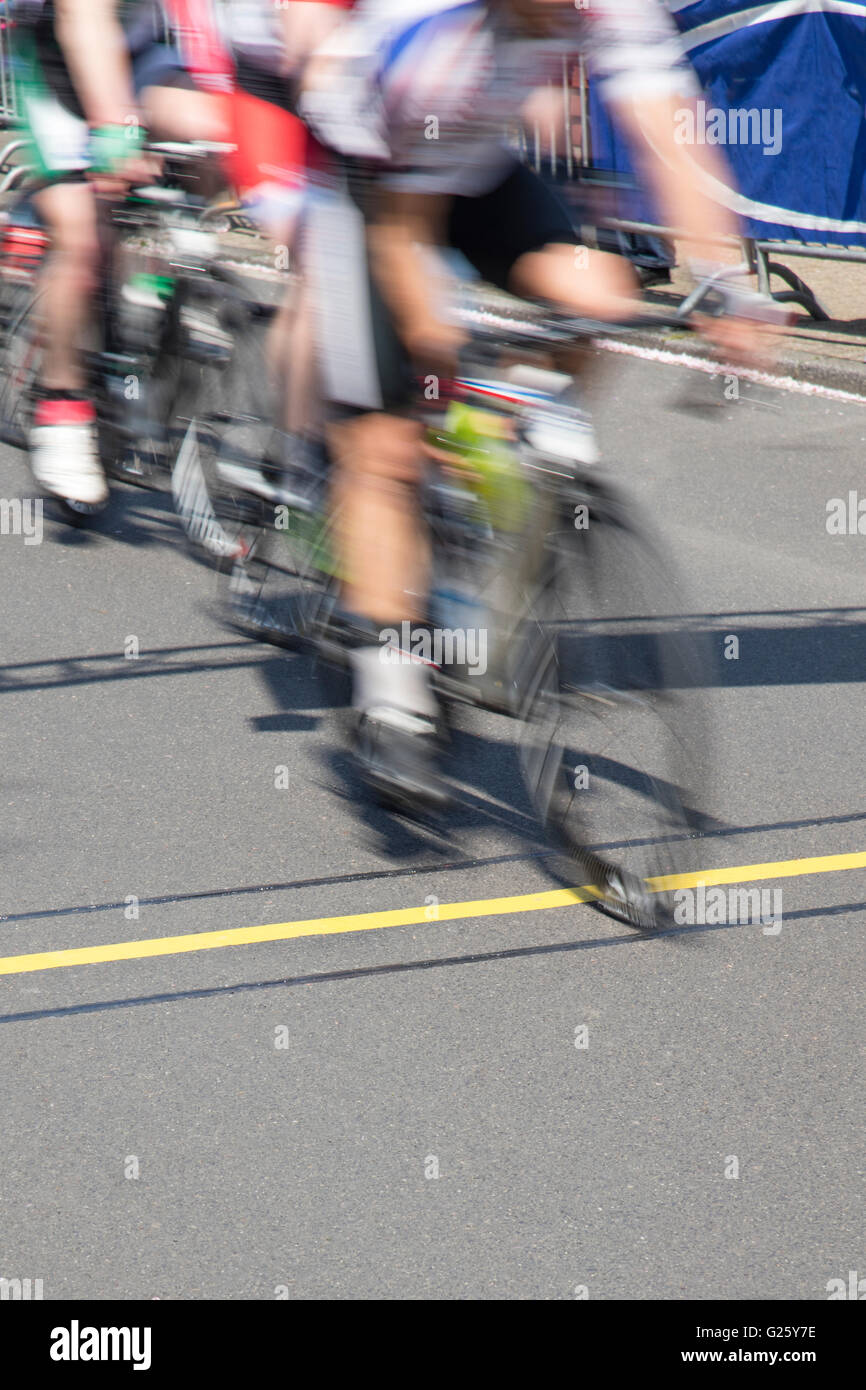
(19, 365)
(279, 591)
(614, 743)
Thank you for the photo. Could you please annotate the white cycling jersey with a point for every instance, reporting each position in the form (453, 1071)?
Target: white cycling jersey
(427, 87)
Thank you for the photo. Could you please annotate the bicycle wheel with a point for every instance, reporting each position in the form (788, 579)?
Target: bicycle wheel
(20, 356)
(614, 739)
(284, 589)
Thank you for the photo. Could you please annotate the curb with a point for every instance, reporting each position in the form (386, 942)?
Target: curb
(839, 374)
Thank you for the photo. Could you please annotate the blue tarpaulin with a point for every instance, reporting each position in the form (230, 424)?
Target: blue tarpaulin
(789, 76)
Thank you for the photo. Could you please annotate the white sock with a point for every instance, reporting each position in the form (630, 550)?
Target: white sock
(402, 683)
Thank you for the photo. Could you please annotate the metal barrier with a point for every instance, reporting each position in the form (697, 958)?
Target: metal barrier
(800, 292)
(572, 84)
(13, 174)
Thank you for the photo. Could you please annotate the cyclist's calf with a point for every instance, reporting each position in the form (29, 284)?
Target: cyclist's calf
(70, 280)
(381, 535)
(70, 213)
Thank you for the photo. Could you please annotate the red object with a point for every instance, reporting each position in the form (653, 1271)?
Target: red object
(201, 44)
(21, 252)
(61, 411)
(272, 144)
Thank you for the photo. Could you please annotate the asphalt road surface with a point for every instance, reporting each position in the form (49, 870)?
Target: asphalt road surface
(404, 1111)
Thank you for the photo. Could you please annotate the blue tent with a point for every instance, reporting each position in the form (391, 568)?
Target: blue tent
(785, 96)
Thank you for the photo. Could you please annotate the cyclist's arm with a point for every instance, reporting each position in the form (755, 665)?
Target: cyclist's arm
(680, 180)
(680, 175)
(402, 226)
(638, 57)
(93, 45)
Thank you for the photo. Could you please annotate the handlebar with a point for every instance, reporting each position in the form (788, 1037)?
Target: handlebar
(517, 323)
(501, 320)
(188, 149)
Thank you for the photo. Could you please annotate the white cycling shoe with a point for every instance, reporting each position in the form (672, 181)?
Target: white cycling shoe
(64, 453)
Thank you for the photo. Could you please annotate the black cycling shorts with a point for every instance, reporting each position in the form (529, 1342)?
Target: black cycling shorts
(522, 214)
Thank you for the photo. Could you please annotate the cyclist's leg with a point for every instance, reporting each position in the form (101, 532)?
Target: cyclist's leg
(384, 556)
(383, 550)
(376, 444)
(291, 354)
(64, 454)
(176, 111)
(520, 237)
(68, 282)
(577, 279)
(59, 136)
(593, 284)
(174, 108)
(383, 546)
(295, 328)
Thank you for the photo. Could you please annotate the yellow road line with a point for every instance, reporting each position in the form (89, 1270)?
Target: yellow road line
(403, 917)
(780, 868)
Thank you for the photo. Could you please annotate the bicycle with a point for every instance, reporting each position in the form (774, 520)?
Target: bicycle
(160, 334)
(587, 647)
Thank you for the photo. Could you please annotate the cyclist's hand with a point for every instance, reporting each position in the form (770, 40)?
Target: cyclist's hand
(138, 169)
(741, 341)
(117, 159)
(742, 324)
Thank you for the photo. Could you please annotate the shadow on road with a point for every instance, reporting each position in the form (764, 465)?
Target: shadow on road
(630, 938)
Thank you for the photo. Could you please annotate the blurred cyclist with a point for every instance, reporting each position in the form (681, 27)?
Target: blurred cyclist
(255, 52)
(89, 89)
(415, 96)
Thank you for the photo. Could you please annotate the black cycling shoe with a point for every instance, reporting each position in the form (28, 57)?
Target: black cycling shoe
(397, 755)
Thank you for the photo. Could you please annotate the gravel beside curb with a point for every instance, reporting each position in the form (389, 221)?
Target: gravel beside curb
(839, 373)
